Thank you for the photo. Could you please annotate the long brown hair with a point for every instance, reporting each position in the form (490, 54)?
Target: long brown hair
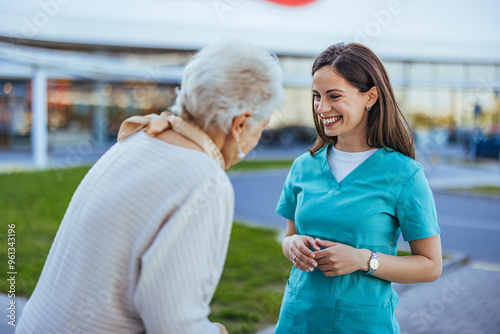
(387, 127)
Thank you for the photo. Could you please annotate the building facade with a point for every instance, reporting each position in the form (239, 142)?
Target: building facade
(100, 63)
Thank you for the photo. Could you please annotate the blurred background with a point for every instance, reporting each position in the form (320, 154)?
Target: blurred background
(71, 71)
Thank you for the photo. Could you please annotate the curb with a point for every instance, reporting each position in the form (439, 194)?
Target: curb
(269, 330)
(466, 194)
(452, 262)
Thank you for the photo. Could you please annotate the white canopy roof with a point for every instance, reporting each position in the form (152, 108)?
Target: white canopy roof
(447, 30)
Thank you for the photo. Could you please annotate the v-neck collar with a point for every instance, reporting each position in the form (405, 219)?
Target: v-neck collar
(354, 174)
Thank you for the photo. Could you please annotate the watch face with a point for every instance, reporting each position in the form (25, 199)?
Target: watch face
(374, 264)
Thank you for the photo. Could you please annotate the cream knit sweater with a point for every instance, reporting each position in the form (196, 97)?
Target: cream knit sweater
(141, 247)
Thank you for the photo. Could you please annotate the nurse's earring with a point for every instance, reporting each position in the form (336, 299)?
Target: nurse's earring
(368, 108)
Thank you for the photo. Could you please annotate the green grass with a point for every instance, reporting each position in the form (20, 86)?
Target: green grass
(251, 165)
(483, 190)
(251, 288)
(403, 253)
(35, 202)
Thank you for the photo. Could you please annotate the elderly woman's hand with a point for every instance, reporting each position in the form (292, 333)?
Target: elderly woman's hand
(222, 328)
(299, 252)
(340, 259)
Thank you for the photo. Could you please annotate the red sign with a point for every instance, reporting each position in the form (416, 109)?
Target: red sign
(292, 3)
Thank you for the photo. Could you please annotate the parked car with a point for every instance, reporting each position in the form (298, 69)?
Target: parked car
(488, 147)
(289, 135)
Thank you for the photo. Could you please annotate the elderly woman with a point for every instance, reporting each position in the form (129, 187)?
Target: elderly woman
(142, 245)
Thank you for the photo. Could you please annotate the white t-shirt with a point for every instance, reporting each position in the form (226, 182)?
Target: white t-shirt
(342, 163)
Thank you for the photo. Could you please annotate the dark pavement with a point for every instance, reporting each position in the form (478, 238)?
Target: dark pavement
(466, 301)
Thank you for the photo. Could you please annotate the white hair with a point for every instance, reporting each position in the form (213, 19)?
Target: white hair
(226, 79)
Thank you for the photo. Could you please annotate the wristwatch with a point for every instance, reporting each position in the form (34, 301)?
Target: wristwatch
(374, 263)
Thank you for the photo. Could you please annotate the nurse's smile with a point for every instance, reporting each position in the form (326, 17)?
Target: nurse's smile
(330, 121)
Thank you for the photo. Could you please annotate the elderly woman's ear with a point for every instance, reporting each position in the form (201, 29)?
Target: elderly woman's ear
(240, 126)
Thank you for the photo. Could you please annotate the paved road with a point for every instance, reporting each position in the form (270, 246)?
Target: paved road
(256, 197)
(464, 302)
(470, 225)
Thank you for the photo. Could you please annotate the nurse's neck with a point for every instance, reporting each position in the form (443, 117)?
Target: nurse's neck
(356, 144)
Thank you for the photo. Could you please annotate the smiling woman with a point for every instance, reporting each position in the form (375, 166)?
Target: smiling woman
(354, 81)
(349, 199)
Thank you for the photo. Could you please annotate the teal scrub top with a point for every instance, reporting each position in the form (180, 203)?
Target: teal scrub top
(383, 197)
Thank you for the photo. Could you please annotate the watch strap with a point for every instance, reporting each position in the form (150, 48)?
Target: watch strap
(374, 256)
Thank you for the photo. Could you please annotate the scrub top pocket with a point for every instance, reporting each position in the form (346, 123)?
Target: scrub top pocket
(286, 317)
(305, 309)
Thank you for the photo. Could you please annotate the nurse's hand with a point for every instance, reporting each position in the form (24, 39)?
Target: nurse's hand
(300, 254)
(339, 259)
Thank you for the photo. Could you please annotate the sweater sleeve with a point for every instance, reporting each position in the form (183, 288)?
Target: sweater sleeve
(182, 267)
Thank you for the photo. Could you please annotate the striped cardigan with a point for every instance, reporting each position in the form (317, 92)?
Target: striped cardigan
(141, 247)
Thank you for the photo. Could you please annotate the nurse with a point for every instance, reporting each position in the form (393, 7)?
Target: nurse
(349, 199)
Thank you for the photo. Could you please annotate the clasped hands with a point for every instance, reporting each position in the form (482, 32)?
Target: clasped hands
(334, 260)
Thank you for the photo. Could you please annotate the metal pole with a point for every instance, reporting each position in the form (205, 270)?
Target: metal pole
(39, 131)
(98, 116)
